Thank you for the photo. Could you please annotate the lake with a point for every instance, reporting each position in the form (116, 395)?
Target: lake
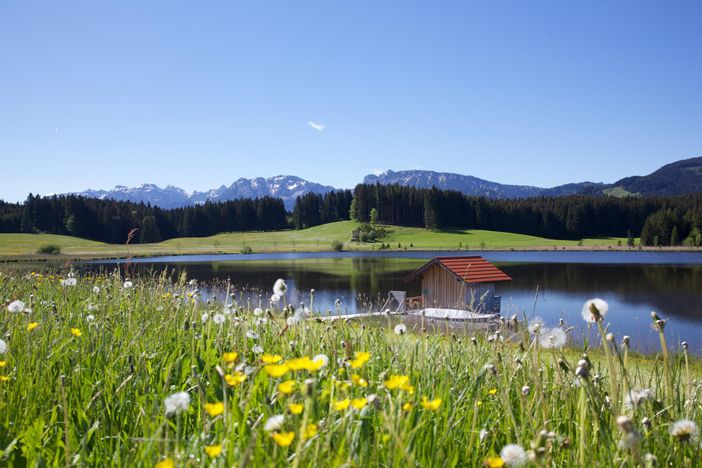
(551, 285)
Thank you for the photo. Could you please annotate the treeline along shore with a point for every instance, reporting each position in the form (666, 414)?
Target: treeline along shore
(657, 221)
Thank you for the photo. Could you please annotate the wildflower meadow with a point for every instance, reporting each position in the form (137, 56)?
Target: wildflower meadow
(102, 370)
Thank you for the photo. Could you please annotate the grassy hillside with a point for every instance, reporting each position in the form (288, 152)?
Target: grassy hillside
(318, 238)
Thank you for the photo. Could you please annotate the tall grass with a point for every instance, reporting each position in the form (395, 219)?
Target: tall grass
(87, 386)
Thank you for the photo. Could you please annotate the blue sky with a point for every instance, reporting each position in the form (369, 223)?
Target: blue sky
(197, 94)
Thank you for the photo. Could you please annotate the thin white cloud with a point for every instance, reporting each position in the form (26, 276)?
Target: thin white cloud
(316, 126)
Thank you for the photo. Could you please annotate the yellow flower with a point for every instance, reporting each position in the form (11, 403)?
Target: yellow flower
(31, 326)
(76, 332)
(167, 463)
(235, 379)
(359, 403)
(396, 381)
(385, 438)
(494, 462)
(361, 357)
(359, 381)
(3, 364)
(298, 363)
(432, 405)
(310, 431)
(314, 366)
(492, 391)
(479, 402)
(287, 387)
(276, 370)
(271, 358)
(4, 378)
(213, 450)
(341, 405)
(283, 438)
(230, 356)
(214, 409)
(296, 408)
(407, 406)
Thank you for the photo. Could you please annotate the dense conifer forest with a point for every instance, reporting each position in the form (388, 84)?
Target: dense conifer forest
(657, 220)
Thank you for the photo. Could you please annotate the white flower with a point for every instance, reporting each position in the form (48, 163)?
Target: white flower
(257, 349)
(400, 329)
(258, 311)
(192, 282)
(219, 319)
(685, 431)
(91, 307)
(636, 397)
(16, 307)
(69, 281)
(252, 335)
(275, 299)
(513, 455)
(274, 423)
(3, 346)
(205, 317)
(177, 402)
(552, 338)
(321, 357)
(96, 289)
(279, 287)
(127, 284)
(90, 318)
(594, 310)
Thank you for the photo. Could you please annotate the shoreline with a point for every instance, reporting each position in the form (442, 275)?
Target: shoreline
(49, 258)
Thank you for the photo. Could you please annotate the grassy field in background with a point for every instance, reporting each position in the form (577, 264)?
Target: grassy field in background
(318, 238)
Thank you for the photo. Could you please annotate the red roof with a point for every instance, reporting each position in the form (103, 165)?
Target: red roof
(472, 269)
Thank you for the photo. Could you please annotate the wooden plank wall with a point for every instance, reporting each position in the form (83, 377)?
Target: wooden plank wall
(441, 289)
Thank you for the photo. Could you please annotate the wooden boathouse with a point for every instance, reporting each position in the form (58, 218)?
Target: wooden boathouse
(465, 283)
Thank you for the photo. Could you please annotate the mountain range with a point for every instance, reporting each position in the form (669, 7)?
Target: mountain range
(677, 178)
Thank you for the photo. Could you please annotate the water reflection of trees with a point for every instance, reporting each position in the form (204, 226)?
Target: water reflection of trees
(670, 288)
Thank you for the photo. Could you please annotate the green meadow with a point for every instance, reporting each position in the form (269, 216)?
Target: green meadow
(143, 373)
(318, 238)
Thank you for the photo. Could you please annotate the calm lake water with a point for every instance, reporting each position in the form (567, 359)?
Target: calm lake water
(551, 285)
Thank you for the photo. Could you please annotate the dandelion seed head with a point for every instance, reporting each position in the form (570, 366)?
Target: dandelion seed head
(69, 282)
(90, 318)
(127, 285)
(279, 287)
(553, 338)
(258, 311)
(535, 325)
(96, 289)
(177, 403)
(252, 335)
(400, 329)
(323, 358)
(685, 430)
(636, 397)
(513, 455)
(205, 317)
(275, 298)
(3, 346)
(15, 307)
(594, 310)
(274, 423)
(219, 319)
(257, 349)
